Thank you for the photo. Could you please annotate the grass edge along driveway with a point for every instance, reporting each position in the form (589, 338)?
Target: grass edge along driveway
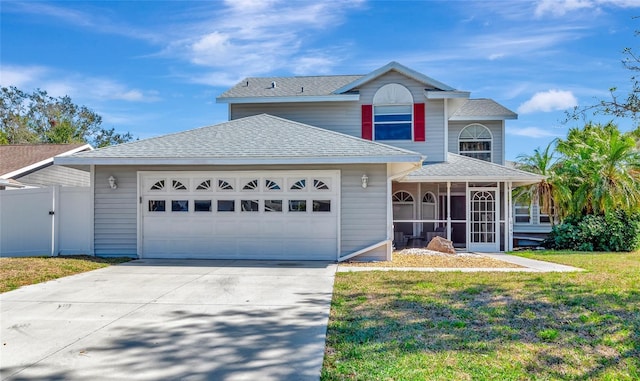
(18, 272)
(487, 326)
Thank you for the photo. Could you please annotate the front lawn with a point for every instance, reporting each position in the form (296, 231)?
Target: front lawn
(18, 272)
(489, 326)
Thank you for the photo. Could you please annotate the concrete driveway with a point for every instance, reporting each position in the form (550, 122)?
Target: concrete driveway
(170, 319)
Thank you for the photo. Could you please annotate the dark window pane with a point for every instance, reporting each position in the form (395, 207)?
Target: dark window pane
(157, 206)
(179, 205)
(202, 205)
(297, 205)
(394, 131)
(249, 205)
(321, 205)
(393, 118)
(226, 205)
(273, 205)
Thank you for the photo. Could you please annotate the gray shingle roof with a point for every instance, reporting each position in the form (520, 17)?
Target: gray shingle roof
(260, 139)
(288, 86)
(482, 109)
(463, 168)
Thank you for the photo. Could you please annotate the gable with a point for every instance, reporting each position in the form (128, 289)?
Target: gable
(425, 81)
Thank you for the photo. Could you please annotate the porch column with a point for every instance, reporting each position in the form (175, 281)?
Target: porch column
(449, 210)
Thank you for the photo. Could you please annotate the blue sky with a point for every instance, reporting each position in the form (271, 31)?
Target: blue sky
(154, 67)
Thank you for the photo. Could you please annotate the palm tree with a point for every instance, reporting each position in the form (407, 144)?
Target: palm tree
(542, 162)
(599, 168)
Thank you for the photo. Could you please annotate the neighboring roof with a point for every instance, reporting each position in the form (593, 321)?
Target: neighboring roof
(427, 81)
(16, 159)
(255, 140)
(462, 168)
(482, 109)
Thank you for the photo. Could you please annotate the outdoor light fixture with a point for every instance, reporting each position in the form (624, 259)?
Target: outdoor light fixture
(112, 182)
(365, 180)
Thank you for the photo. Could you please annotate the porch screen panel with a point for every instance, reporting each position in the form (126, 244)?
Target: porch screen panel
(483, 226)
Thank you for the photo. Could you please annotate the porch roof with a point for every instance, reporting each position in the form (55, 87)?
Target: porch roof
(460, 168)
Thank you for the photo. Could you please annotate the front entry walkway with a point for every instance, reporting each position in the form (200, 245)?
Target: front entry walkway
(528, 266)
(171, 319)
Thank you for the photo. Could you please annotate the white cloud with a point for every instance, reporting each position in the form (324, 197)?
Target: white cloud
(248, 37)
(560, 8)
(552, 100)
(57, 84)
(531, 132)
(20, 76)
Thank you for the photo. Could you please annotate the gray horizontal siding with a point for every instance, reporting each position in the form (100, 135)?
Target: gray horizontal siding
(56, 175)
(115, 218)
(496, 130)
(343, 117)
(346, 117)
(433, 146)
(363, 217)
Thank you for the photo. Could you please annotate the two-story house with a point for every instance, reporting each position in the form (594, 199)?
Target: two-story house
(319, 167)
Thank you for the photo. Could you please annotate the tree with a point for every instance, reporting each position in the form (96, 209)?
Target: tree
(599, 170)
(39, 118)
(542, 162)
(619, 106)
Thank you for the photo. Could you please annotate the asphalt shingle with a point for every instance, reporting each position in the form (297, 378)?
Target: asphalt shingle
(288, 86)
(483, 108)
(259, 138)
(460, 167)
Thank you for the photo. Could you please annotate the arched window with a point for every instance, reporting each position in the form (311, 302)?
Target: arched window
(429, 209)
(475, 141)
(403, 209)
(393, 113)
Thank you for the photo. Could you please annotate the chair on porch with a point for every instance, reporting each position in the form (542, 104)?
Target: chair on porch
(400, 240)
(438, 232)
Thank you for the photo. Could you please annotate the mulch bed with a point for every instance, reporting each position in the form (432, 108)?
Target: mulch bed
(434, 259)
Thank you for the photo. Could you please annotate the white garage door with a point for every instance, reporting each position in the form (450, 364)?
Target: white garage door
(247, 215)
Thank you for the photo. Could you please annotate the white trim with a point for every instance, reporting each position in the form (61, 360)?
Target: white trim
(496, 218)
(503, 141)
(400, 69)
(459, 179)
(481, 118)
(92, 210)
(366, 249)
(477, 140)
(238, 161)
(456, 94)
(291, 99)
(139, 237)
(446, 127)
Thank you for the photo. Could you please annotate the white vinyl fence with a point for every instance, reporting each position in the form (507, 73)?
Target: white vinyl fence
(45, 221)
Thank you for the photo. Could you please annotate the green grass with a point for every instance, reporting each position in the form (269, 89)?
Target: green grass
(18, 272)
(489, 326)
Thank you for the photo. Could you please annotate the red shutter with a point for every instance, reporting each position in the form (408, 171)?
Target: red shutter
(367, 125)
(418, 122)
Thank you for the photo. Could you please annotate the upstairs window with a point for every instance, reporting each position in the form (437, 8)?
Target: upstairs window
(475, 141)
(393, 113)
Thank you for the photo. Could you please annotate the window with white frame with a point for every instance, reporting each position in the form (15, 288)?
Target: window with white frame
(522, 213)
(393, 113)
(475, 141)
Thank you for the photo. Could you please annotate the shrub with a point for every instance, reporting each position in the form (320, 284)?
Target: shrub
(616, 231)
